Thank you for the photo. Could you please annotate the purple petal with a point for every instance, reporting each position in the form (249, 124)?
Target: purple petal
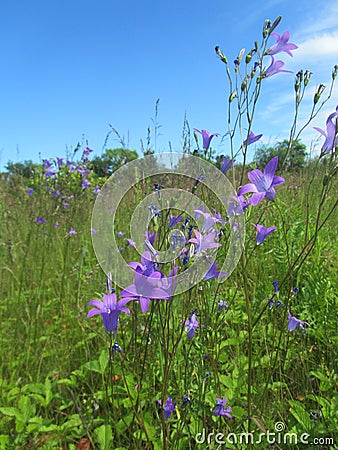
(257, 198)
(250, 187)
(97, 303)
(270, 170)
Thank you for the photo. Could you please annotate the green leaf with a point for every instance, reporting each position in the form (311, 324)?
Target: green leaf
(104, 437)
(10, 411)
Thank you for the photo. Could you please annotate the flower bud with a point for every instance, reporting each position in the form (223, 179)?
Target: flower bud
(232, 96)
(266, 27)
(318, 94)
(221, 55)
(307, 77)
(275, 24)
(335, 72)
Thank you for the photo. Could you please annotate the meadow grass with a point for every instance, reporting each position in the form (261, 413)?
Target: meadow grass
(59, 385)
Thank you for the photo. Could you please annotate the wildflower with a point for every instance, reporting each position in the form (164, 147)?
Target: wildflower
(109, 309)
(40, 220)
(227, 164)
(174, 220)
(207, 375)
(145, 288)
(206, 137)
(71, 231)
(263, 233)
(293, 322)
(252, 139)
(275, 286)
(219, 409)
(85, 184)
(86, 152)
(56, 193)
(146, 267)
(241, 206)
(150, 237)
(169, 407)
(119, 234)
(93, 231)
(262, 185)
(190, 325)
(116, 348)
(50, 172)
(30, 192)
(212, 272)
(282, 44)
(96, 190)
(185, 401)
(331, 135)
(157, 188)
(56, 225)
(204, 242)
(59, 162)
(130, 243)
(274, 68)
(221, 305)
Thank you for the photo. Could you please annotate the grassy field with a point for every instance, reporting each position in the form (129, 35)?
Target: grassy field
(62, 386)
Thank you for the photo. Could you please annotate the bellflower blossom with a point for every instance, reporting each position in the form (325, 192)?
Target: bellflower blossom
(293, 322)
(274, 68)
(204, 242)
(109, 309)
(219, 409)
(263, 233)
(168, 408)
(227, 164)
(282, 44)
(191, 325)
(262, 184)
(145, 288)
(331, 135)
(206, 137)
(212, 272)
(252, 138)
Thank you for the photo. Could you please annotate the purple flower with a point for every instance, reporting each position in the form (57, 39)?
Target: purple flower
(59, 162)
(274, 68)
(130, 243)
(93, 231)
(150, 237)
(204, 242)
(282, 44)
(50, 172)
(263, 233)
(227, 164)
(219, 409)
(252, 139)
(109, 309)
(85, 184)
(86, 152)
(46, 163)
(145, 288)
(262, 184)
(119, 234)
(71, 231)
(56, 193)
(212, 273)
(146, 266)
(96, 190)
(30, 192)
(239, 207)
(168, 407)
(191, 325)
(40, 220)
(331, 135)
(221, 305)
(173, 220)
(293, 322)
(206, 137)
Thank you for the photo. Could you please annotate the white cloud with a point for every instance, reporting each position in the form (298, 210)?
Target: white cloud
(319, 46)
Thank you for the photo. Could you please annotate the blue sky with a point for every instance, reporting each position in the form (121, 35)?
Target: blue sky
(71, 68)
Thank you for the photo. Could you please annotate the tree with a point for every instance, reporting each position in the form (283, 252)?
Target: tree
(111, 160)
(25, 169)
(293, 160)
